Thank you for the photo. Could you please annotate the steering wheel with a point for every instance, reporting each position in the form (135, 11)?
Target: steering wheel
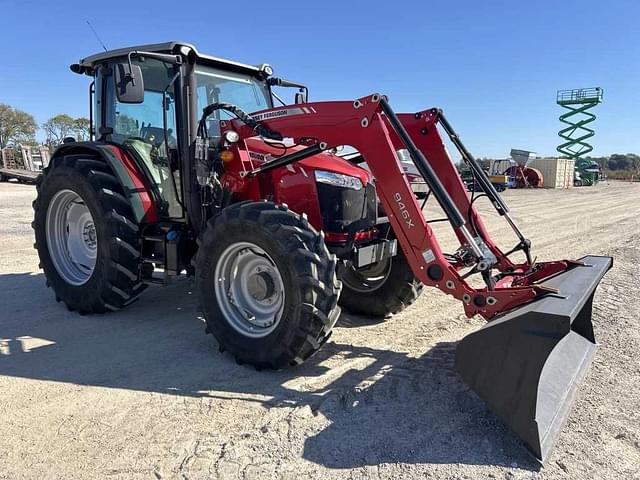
(152, 135)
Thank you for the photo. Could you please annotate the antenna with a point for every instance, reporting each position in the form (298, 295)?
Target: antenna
(96, 34)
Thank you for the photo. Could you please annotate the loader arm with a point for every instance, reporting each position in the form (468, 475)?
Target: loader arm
(369, 125)
(528, 361)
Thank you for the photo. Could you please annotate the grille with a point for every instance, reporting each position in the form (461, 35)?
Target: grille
(341, 207)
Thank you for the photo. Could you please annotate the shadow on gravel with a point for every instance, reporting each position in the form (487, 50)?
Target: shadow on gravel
(395, 409)
(348, 320)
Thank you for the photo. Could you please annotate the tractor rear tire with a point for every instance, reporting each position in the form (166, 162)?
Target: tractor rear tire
(382, 289)
(267, 284)
(102, 231)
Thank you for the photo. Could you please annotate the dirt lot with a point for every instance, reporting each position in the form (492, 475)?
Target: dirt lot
(144, 393)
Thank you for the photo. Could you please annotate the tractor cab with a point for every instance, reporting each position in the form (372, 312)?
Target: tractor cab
(143, 101)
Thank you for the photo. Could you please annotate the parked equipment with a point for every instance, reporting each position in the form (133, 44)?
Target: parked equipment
(524, 175)
(22, 163)
(587, 173)
(278, 230)
(578, 103)
(416, 182)
(499, 182)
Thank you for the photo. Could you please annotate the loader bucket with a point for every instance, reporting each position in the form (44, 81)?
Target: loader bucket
(527, 364)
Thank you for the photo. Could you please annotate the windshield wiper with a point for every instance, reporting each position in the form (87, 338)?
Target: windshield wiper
(278, 98)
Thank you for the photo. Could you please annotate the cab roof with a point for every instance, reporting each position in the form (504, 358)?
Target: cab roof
(87, 64)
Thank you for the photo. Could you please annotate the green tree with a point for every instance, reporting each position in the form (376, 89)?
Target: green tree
(127, 125)
(81, 128)
(634, 161)
(618, 161)
(16, 126)
(57, 128)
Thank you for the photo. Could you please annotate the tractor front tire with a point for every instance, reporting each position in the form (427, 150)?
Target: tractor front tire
(87, 238)
(267, 284)
(381, 289)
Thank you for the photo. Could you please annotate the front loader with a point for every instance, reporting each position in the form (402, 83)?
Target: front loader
(279, 230)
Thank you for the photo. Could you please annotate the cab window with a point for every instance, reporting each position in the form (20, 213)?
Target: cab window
(219, 86)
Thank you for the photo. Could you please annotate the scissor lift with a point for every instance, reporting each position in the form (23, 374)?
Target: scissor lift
(578, 102)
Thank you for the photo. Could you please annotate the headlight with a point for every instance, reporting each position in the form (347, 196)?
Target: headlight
(338, 180)
(231, 136)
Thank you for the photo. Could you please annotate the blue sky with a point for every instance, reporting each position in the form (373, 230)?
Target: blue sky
(493, 66)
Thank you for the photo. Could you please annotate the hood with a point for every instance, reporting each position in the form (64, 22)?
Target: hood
(326, 161)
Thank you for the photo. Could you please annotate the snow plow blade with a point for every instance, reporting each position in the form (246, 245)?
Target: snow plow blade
(528, 363)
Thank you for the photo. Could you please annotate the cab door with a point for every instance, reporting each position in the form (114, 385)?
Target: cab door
(148, 130)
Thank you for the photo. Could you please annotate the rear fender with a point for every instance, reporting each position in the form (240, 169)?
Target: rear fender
(132, 180)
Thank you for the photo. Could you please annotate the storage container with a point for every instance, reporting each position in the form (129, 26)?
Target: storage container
(556, 172)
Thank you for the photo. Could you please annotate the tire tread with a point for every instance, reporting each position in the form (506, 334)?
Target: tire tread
(120, 282)
(316, 279)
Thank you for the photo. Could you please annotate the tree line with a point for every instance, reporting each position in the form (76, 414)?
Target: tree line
(19, 127)
(619, 162)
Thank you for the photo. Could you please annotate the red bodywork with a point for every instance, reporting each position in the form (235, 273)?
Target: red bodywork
(526, 176)
(362, 125)
(294, 185)
(142, 201)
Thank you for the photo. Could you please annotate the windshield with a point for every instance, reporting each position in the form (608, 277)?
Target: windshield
(220, 86)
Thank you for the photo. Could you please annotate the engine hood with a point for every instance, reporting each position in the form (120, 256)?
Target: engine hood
(327, 161)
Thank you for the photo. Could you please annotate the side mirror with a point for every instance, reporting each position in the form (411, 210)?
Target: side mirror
(301, 97)
(129, 83)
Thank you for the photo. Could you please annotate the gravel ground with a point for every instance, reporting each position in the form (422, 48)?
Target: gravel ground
(144, 393)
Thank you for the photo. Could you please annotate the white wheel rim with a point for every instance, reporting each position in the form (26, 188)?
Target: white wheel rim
(72, 240)
(249, 289)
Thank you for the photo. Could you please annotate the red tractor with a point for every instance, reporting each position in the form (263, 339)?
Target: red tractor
(279, 230)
